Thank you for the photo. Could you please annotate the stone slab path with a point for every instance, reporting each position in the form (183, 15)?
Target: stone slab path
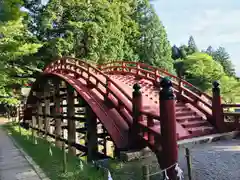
(13, 164)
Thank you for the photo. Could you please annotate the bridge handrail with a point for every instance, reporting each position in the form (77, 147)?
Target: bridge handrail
(154, 69)
(232, 119)
(80, 64)
(231, 105)
(126, 67)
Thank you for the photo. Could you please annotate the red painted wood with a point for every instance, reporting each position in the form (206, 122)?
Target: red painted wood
(169, 137)
(121, 77)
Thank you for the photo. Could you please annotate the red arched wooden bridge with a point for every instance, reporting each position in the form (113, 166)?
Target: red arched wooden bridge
(104, 95)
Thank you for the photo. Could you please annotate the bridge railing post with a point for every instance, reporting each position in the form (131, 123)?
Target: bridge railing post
(137, 103)
(136, 110)
(107, 86)
(168, 128)
(138, 68)
(217, 110)
(180, 90)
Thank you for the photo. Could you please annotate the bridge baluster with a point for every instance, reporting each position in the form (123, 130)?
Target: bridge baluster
(138, 69)
(150, 124)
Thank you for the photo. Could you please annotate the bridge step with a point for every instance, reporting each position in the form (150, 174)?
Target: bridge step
(185, 113)
(182, 119)
(199, 131)
(193, 124)
(179, 109)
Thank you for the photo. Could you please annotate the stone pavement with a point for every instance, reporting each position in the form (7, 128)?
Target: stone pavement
(13, 164)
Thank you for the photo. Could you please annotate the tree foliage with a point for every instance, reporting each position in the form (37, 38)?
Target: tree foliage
(10, 10)
(101, 31)
(16, 44)
(230, 88)
(153, 45)
(221, 55)
(192, 47)
(201, 70)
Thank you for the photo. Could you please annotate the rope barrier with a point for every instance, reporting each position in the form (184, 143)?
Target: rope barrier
(176, 165)
(177, 169)
(109, 173)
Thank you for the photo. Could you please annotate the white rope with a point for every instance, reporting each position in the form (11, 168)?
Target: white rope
(166, 176)
(50, 150)
(81, 165)
(177, 169)
(164, 170)
(179, 172)
(109, 173)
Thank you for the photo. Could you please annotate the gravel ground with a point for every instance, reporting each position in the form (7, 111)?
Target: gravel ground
(215, 161)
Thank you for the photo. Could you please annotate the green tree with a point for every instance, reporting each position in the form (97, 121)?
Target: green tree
(222, 56)
(10, 10)
(210, 51)
(97, 30)
(153, 45)
(16, 44)
(201, 70)
(183, 51)
(192, 47)
(230, 88)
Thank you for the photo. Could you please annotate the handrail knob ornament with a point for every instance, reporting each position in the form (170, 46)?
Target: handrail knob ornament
(216, 88)
(166, 92)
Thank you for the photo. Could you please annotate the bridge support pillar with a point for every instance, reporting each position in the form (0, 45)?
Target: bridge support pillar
(217, 110)
(57, 114)
(92, 137)
(39, 114)
(169, 155)
(71, 121)
(47, 109)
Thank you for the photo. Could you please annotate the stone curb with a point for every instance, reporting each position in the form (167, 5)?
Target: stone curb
(36, 168)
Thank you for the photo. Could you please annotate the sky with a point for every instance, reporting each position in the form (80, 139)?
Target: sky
(210, 22)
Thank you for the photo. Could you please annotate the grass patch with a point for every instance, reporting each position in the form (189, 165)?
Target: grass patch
(52, 165)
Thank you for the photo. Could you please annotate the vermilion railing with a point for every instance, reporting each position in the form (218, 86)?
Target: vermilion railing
(186, 90)
(108, 88)
(231, 118)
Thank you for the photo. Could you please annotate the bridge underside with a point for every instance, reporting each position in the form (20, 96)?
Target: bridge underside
(56, 109)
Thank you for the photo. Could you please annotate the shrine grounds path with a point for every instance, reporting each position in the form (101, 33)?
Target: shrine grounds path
(14, 165)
